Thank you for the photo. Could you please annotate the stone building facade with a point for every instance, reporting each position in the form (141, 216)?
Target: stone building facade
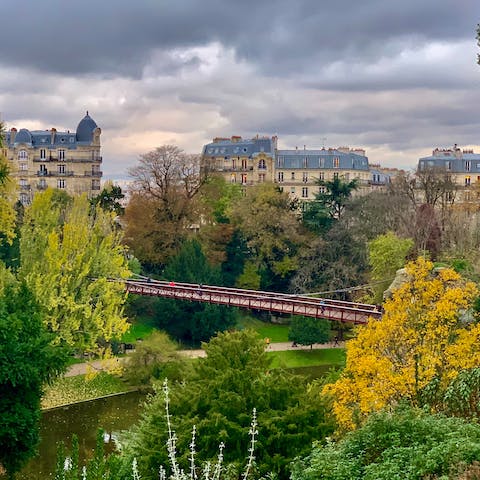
(69, 161)
(257, 160)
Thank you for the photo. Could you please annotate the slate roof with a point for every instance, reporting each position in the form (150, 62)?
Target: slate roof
(321, 159)
(43, 138)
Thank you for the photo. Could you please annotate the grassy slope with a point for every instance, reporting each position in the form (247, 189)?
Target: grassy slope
(307, 358)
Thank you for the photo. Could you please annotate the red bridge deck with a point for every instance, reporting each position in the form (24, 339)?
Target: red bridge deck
(335, 310)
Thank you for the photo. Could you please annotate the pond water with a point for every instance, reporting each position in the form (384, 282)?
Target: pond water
(112, 414)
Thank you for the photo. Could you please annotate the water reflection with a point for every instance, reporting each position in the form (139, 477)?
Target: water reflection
(112, 414)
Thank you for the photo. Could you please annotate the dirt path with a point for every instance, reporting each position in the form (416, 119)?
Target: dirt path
(101, 365)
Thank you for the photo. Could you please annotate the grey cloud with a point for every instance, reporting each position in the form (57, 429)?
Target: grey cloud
(118, 37)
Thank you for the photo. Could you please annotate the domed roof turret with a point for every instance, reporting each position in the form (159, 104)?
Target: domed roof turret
(23, 136)
(85, 129)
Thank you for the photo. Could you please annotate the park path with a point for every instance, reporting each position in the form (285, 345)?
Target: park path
(101, 365)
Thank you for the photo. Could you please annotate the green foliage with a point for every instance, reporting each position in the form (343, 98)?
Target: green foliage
(387, 253)
(407, 444)
(155, 358)
(308, 330)
(460, 398)
(99, 467)
(219, 397)
(328, 206)
(192, 321)
(109, 200)
(268, 222)
(250, 278)
(331, 263)
(27, 361)
(67, 256)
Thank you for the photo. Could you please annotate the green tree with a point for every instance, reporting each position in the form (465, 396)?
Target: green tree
(27, 362)
(308, 330)
(109, 199)
(408, 444)
(387, 253)
(329, 204)
(332, 263)
(67, 257)
(267, 220)
(192, 321)
(219, 397)
(155, 358)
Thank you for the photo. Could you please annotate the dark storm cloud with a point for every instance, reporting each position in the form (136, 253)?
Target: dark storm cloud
(118, 37)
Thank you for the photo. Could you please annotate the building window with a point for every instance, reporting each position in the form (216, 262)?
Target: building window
(61, 169)
(244, 178)
(305, 177)
(336, 162)
(43, 170)
(467, 166)
(335, 175)
(280, 162)
(61, 183)
(234, 163)
(280, 177)
(305, 192)
(321, 162)
(43, 154)
(292, 189)
(24, 199)
(305, 162)
(42, 184)
(22, 155)
(244, 163)
(322, 190)
(95, 184)
(233, 178)
(449, 165)
(467, 181)
(261, 165)
(261, 177)
(293, 176)
(61, 154)
(321, 176)
(23, 166)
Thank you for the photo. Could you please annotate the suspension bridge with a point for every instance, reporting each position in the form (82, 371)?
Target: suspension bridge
(335, 310)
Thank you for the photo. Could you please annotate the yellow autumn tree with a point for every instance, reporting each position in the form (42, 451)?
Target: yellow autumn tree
(7, 197)
(423, 335)
(67, 255)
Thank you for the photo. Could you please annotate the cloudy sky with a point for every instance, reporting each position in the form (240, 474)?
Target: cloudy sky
(395, 77)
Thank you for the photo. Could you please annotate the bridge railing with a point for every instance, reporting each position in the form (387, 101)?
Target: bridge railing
(336, 310)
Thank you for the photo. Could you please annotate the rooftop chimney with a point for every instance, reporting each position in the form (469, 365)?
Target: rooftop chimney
(13, 133)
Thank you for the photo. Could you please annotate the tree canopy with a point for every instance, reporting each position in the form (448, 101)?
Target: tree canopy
(27, 361)
(219, 397)
(408, 444)
(308, 330)
(67, 257)
(420, 338)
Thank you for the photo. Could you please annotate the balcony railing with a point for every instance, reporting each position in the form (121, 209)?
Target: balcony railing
(25, 187)
(55, 173)
(96, 173)
(69, 160)
(42, 186)
(95, 187)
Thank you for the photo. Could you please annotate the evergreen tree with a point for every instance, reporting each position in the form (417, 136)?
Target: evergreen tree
(27, 362)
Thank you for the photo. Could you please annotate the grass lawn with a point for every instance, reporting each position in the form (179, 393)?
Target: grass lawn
(273, 331)
(76, 389)
(137, 330)
(306, 358)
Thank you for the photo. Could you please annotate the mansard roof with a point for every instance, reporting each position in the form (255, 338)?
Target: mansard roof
(238, 147)
(322, 159)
